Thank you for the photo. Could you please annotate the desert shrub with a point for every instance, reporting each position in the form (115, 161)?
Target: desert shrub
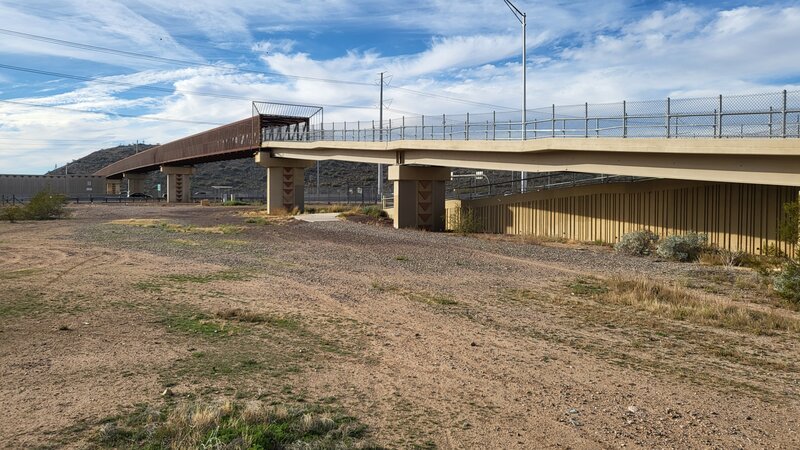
(12, 213)
(638, 243)
(723, 257)
(682, 247)
(373, 211)
(45, 205)
(234, 203)
(787, 282)
(464, 221)
(789, 226)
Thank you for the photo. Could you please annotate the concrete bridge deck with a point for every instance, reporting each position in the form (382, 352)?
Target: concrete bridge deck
(744, 139)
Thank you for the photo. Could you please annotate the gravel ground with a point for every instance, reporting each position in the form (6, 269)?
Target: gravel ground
(444, 341)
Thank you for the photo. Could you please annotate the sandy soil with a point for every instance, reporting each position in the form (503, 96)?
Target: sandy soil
(432, 340)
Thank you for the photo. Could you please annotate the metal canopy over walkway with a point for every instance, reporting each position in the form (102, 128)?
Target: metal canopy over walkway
(233, 141)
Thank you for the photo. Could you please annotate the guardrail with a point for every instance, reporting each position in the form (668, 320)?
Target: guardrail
(769, 115)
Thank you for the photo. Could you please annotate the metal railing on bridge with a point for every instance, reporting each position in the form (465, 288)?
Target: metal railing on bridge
(770, 115)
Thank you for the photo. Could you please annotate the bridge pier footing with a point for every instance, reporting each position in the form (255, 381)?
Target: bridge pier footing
(285, 182)
(113, 187)
(179, 183)
(135, 182)
(419, 196)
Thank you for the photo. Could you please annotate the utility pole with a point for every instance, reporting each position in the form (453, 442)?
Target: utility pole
(380, 122)
(523, 19)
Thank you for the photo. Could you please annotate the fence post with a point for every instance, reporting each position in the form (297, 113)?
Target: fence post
(770, 121)
(358, 130)
(624, 119)
(373, 130)
(553, 122)
(390, 131)
(586, 120)
(344, 131)
(719, 117)
(783, 134)
(494, 125)
(423, 128)
(444, 127)
(403, 129)
(466, 129)
(668, 118)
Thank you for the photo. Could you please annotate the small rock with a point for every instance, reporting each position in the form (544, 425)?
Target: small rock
(572, 411)
(633, 409)
(167, 393)
(473, 344)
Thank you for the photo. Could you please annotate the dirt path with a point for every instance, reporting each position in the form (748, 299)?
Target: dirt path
(431, 340)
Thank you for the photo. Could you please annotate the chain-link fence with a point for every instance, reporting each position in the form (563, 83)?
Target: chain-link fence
(770, 115)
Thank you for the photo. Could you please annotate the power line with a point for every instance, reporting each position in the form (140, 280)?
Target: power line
(95, 48)
(149, 87)
(107, 50)
(161, 119)
(469, 102)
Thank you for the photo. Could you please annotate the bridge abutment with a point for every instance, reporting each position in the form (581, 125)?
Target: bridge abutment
(135, 182)
(285, 183)
(419, 196)
(179, 183)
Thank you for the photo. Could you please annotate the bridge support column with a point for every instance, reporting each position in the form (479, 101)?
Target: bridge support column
(419, 196)
(284, 182)
(135, 182)
(113, 187)
(179, 183)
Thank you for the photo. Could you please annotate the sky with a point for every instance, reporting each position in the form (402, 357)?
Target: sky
(80, 75)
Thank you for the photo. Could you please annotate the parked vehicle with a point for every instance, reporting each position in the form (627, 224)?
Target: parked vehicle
(140, 195)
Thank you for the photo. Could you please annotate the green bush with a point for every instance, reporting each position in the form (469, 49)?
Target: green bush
(12, 213)
(464, 221)
(637, 243)
(682, 247)
(789, 226)
(46, 205)
(787, 282)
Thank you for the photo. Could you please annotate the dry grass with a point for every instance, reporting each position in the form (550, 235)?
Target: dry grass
(230, 425)
(680, 304)
(241, 315)
(177, 228)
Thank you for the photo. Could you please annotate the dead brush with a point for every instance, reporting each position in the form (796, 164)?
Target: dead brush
(681, 304)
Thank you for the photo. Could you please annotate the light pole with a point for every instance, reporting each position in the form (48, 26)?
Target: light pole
(523, 20)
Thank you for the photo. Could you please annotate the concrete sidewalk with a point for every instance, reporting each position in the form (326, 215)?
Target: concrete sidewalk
(321, 217)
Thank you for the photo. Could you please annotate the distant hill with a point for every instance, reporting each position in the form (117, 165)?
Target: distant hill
(249, 179)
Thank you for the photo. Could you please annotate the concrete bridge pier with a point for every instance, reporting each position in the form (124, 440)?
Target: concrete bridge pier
(179, 183)
(284, 182)
(113, 187)
(135, 182)
(419, 196)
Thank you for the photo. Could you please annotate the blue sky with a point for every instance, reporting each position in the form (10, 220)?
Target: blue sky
(470, 50)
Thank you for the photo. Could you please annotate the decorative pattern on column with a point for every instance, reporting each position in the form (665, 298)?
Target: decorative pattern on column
(288, 188)
(425, 204)
(178, 188)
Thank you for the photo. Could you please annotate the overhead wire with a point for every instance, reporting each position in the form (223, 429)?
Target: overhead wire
(107, 50)
(150, 87)
(107, 113)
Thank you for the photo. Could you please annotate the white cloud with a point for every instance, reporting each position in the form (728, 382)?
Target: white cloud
(606, 55)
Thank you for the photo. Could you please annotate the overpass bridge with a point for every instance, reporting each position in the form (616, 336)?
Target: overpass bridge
(753, 139)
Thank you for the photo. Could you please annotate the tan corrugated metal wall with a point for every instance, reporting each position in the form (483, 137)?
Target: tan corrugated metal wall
(734, 216)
